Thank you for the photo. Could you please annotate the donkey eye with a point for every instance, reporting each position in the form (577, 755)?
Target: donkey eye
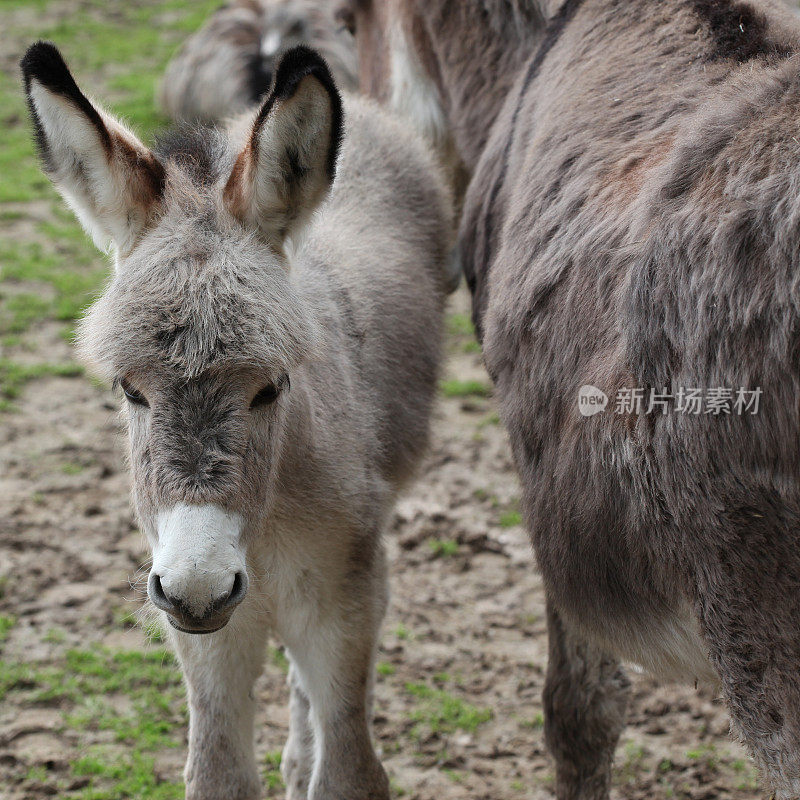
(132, 395)
(270, 393)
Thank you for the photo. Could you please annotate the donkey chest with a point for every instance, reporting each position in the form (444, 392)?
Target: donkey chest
(297, 575)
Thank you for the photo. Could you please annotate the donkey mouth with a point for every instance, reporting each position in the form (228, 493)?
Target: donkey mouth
(198, 628)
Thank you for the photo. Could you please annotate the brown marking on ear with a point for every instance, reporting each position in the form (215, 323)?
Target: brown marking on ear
(137, 169)
(143, 173)
(237, 190)
(297, 65)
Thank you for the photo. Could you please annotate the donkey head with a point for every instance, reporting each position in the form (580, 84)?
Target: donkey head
(201, 324)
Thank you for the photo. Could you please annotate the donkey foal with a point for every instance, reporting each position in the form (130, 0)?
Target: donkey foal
(275, 406)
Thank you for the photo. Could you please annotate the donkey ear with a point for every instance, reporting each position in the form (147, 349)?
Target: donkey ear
(109, 178)
(289, 161)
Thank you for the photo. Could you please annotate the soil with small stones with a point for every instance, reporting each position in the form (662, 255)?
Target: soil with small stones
(469, 619)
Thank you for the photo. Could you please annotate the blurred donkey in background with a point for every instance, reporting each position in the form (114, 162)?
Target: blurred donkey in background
(227, 66)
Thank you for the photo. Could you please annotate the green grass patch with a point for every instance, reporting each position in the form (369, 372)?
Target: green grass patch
(401, 632)
(71, 468)
(6, 624)
(509, 519)
(55, 636)
(131, 775)
(460, 325)
(278, 657)
(37, 774)
(132, 698)
(397, 789)
(440, 711)
(749, 779)
(705, 754)
(14, 376)
(443, 547)
(273, 780)
(630, 768)
(536, 724)
(152, 677)
(456, 388)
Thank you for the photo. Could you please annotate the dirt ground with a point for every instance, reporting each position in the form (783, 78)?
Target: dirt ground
(466, 617)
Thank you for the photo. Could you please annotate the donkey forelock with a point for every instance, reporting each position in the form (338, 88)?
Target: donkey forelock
(198, 293)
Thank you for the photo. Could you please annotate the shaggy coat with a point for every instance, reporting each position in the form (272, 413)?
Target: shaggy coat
(279, 367)
(633, 221)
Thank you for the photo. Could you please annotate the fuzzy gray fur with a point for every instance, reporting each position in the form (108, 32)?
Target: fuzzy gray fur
(632, 221)
(203, 315)
(205, 309)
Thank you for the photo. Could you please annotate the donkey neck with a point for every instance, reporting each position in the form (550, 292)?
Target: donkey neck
(473, 51)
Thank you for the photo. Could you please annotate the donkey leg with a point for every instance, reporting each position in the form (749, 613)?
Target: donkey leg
(334, 661)
(298, 754)
(220, 670)
(768, 725)
(752, 631)
(585, 700)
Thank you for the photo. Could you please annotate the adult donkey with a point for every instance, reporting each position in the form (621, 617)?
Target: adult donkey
(275, 406)
(633, 223)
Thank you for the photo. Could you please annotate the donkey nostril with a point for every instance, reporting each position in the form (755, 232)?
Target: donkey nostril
(157, 594)
(237, 592)
(186, 608)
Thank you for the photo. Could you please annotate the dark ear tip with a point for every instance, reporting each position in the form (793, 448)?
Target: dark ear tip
(295, 65)
(299, 63)
(43, 62)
